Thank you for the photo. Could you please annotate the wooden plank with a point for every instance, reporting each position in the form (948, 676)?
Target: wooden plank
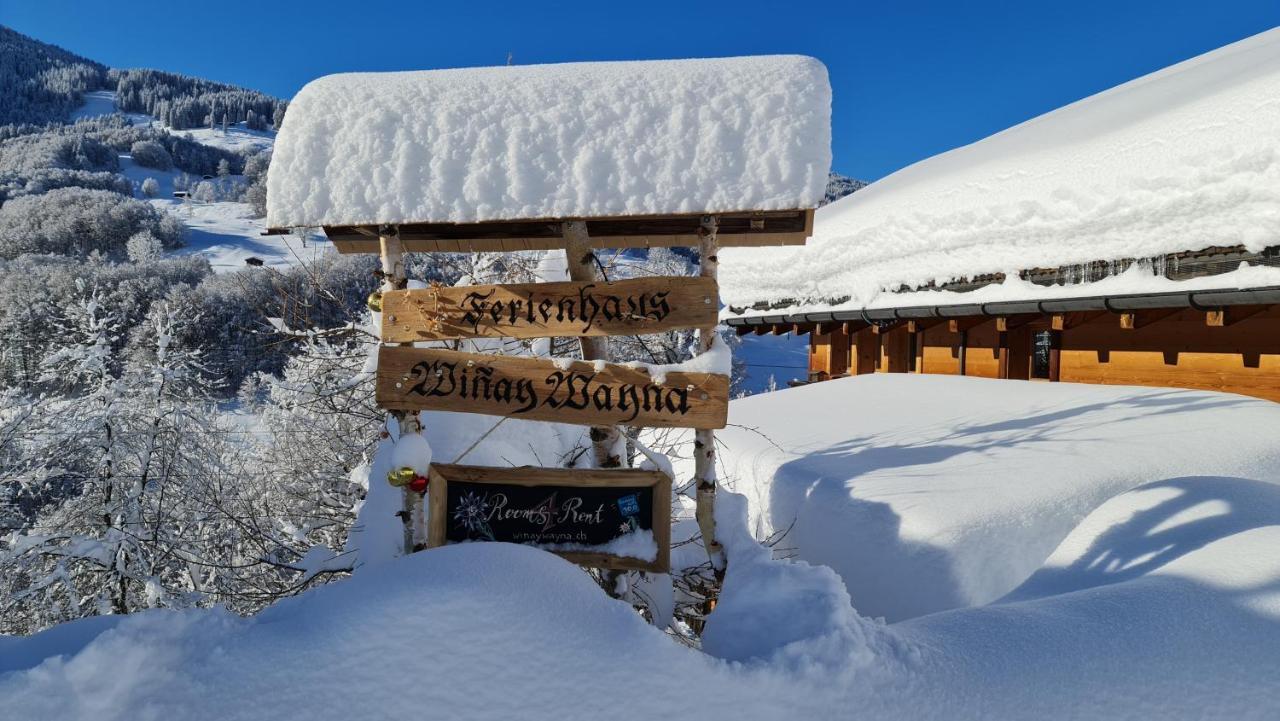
(1067, 321)
(853, 327)
(587, 393)
(960, 325)
(736, 229)
(865, 352)
(1143, 318)
(1012, 322)
(919, 325)
(543, 310)
(566, 504)
(1223, 317)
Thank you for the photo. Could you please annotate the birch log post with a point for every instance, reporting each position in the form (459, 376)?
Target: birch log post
(704, 441)
(582, 267)
(394, 278)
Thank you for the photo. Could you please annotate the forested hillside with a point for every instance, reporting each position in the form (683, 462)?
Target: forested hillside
(40, 82)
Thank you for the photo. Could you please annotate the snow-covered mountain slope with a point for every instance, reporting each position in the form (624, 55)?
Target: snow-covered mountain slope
(225, 232)
(932, 492)
(1156, 597)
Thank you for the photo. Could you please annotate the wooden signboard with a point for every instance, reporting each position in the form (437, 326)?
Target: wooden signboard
(541, 310)
(588, 393)
(603, 518)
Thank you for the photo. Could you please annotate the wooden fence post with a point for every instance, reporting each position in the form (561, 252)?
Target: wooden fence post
(393, 278)
(704, 441)
(582, 267)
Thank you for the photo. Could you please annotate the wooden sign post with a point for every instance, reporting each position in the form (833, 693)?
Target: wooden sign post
(567, 391)
(544, 310)
(615, 518)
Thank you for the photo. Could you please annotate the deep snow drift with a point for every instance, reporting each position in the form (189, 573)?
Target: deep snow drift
(1161, 600)
(554, 141)
(931, 492)
(1181, 159)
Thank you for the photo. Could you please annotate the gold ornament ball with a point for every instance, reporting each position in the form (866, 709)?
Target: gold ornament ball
(401, 476)
(374, 301)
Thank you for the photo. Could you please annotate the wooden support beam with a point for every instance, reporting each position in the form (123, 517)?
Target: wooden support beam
(762, 329)
(826, 328)
(1143, 318)
(412, 512)
(852, 327)
(704, 441)
(866, 351)
(1067, 321)
(781, 328)
(743, 329)
(1055, 355)
(606, 442)
(961, 325)
(1223, 317)
(919, 325)
(1006, 323)
(801, 329)
(887, 326)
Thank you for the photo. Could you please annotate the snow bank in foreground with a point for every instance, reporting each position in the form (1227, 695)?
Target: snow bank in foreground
(932, 492)
(1161, 605)
(1161, 600)
(1182, 159)
(554, 141)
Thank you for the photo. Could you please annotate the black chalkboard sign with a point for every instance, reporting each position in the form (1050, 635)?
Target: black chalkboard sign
(603, 518)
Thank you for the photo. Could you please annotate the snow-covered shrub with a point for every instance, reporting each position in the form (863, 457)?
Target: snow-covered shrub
(76, 221)
(150, 187)
(151, 154)
(205, 192)
(143, 247)
(14, 185)
(60, 148)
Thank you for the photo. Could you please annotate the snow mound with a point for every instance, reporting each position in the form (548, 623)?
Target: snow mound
(554, 141)
(935, 492)
(1182, 159)
(475, 631)
(1164, 603)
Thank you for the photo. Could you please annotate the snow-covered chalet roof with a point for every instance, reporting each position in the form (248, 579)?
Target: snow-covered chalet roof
(1183, 159)
(577, 140)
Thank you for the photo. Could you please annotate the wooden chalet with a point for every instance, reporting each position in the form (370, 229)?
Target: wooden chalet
(1142, 223)
(1222, 340)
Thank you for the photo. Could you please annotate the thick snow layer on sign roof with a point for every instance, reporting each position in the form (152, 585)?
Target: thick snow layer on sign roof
(1182, 159)
(554, 141)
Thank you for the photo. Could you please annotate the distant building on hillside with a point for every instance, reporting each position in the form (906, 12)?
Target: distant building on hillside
(1129, 238)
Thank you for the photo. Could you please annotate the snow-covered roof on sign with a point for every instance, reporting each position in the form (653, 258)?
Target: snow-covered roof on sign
(576, 140)
(1182, 159)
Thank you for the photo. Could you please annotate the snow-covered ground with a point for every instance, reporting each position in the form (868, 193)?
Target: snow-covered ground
(932, 492)
(1108, 553)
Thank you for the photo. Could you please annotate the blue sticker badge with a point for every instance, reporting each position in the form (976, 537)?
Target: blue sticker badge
(629, 505)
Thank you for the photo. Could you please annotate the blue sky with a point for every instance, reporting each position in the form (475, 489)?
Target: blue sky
(910, 79)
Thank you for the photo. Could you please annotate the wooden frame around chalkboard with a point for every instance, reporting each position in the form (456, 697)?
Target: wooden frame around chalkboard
(439, 476)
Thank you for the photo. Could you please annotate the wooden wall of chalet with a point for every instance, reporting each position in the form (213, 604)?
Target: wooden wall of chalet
(1165, 348)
